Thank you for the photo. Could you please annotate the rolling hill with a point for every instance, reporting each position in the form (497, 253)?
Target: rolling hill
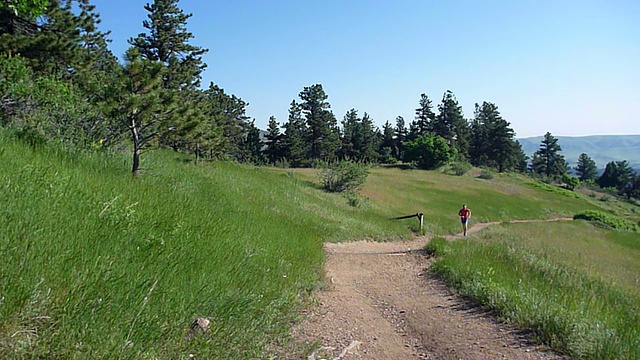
(601, 148)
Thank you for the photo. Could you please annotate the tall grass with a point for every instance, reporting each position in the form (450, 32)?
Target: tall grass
(578, 309)
(96, 264)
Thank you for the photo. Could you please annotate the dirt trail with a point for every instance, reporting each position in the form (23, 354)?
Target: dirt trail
(380, 303)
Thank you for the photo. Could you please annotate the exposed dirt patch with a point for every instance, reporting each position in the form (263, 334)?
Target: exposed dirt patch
(380, 302)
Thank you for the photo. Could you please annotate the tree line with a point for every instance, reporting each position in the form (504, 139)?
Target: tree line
(59, 81)
(548, 163)
(435, 136)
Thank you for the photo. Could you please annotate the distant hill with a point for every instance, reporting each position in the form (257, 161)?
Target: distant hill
(601, 148)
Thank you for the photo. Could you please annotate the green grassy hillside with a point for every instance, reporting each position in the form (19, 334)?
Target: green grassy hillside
(97, 264)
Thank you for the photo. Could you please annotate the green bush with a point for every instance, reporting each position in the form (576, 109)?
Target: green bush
(429, 152)
(486, 174)
(608, 220)
(605, 198)
(460, 168)
(356, 200)
(48, 109)
(344, 176)
(571, 182)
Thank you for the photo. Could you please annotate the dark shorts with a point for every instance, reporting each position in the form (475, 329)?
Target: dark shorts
(464, 221)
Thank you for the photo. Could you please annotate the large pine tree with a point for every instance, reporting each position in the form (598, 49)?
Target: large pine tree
(619, 175)
(548, 160)
(586, 168)
(387, 143)
(365, 140)
(425, 117)
(274, 149)
(323, 133)
(228, 112)
(349, 124)
(295, 134)
(400, 136)
(166, 42)
(492, 140)
(451, 124)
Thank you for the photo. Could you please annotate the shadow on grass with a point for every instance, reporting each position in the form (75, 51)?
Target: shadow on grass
(400, 166)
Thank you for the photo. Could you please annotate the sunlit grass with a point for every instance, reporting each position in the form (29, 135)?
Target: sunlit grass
(439, 196)
(574, 285)
(96, 264)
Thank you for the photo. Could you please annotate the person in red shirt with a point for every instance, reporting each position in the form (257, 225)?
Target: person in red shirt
(464, 214)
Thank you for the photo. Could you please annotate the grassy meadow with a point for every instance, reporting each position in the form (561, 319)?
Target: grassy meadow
(97, 264)
(576, 285)
(439, 196)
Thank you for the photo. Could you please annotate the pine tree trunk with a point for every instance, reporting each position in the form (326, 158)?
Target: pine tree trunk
(135, 169)
(197, 152)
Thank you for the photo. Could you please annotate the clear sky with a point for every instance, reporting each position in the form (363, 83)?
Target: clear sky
(571, 67)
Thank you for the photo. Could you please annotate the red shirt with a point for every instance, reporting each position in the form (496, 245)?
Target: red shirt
(464, 213)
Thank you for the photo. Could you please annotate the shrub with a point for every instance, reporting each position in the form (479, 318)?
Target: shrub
(605, 198)
(429, 152)
(608, 220)
(356, 201)
(344, 176)
(486, 174)
(460, 168)
(46, 108)
(571, 182)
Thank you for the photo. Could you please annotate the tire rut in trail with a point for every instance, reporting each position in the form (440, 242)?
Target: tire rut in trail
(380, 303)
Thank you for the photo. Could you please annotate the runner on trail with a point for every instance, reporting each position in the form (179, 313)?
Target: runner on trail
(464, 214)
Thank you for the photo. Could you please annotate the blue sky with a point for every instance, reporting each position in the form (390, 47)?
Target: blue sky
(568, 67)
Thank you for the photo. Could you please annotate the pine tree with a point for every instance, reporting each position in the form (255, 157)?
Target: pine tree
(295, 147)
(349, 124)
(167, 42)
(251, 146)
(229, 114)
(425, 117)
(451, 124)
(492, 140)
(323, 133)
(413, 132)
(586, 168)
(274, 149)
(27, 8)
(400, 134)
(479, 142)
(143, 105)
(518, 161)
(547, 160)
(364, 140)
(386, 148)
(619, 175)
(65, 41)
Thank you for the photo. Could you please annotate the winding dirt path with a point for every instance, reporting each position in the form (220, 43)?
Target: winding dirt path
(380, 302)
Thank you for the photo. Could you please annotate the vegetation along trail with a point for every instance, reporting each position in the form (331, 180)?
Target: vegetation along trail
(380, 302)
